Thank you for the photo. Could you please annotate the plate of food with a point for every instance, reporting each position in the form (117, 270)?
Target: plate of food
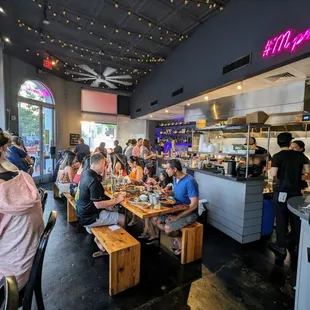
(168, 202)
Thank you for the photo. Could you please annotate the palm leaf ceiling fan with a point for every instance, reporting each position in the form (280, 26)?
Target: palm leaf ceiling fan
(104, 77)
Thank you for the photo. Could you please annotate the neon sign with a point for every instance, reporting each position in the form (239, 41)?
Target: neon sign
(285, 42)
(38, 92)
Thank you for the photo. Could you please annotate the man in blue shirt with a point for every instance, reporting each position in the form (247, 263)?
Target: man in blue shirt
(185, 192)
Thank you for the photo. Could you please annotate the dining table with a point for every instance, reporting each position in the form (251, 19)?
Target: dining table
(144, 213)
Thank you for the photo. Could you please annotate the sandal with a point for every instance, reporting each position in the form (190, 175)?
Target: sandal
(132, 224)
(144, 236)
(100, 253)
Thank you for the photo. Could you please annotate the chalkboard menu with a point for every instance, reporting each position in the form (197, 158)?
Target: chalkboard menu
(74, 137)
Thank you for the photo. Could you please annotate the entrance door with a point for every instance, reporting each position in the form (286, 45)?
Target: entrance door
(36, 127)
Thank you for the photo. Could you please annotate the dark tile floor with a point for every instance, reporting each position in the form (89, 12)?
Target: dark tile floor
(230, 276)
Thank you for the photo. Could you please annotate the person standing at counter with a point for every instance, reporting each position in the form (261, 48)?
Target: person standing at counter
(287, 166)
(299, 146)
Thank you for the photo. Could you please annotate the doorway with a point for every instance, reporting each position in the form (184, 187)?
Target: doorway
(36, 118)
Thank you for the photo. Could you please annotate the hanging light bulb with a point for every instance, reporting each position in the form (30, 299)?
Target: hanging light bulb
(198, 4)
(116, 5)
(240, 86)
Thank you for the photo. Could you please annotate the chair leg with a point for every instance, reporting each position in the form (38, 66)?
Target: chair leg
(39, 296)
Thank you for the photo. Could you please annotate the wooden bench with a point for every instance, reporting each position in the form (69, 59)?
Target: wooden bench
(55, 190)
(192, 241)
(71, 207)
(124, 251)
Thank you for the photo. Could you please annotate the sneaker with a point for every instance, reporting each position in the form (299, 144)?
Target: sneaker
(88, 230)
(277, 249)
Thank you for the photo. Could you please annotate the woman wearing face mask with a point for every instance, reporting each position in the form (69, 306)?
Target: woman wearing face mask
(299, 146)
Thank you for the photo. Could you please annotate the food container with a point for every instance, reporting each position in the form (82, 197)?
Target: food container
(236, 120)
(259, 117)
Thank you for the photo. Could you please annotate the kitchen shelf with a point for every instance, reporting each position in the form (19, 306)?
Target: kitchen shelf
(193, 125)
(228, 154)
(234, 127)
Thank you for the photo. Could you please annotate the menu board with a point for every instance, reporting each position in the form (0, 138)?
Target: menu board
(74, 137)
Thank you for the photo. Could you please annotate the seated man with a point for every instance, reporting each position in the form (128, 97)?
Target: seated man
(92, 208)
(185, 192)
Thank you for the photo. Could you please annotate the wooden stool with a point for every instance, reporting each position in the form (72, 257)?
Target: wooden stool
(192, 241)
(124, 252)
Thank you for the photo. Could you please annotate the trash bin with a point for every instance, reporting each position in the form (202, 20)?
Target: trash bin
(268, 215)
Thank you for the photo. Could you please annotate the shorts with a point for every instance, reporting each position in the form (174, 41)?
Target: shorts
(106, 218)
(180, 223)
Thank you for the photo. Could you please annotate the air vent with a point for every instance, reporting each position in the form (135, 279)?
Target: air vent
(177, 92)
(244, 61)
(154, 103)
(280, 77)
(138, 110)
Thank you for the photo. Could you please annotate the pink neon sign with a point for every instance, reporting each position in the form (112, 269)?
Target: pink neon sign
(285, 42)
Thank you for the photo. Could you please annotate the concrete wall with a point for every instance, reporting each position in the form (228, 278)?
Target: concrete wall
(243, 27)
(67, 97)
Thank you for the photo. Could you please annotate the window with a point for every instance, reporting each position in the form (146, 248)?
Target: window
(95, 133)
(37, 91)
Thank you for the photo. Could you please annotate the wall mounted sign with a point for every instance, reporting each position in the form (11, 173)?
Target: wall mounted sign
(74, 137)
(286, 42)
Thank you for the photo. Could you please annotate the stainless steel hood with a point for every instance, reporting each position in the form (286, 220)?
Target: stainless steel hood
(282, 103)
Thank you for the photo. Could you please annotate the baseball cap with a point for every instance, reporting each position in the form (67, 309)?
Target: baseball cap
(285, 137)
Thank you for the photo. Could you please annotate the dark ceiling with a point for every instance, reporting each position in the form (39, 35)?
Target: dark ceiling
(134, 35)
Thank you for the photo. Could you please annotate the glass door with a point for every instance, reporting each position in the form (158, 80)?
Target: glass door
(36, 128)
(29, 131)
(47, 166)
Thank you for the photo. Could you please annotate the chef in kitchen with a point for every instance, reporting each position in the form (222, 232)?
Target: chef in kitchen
(258, 150)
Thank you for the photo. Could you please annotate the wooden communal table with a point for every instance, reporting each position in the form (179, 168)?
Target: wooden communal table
(144, 213)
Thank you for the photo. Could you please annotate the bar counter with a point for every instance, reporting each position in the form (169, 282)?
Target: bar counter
(234, 206)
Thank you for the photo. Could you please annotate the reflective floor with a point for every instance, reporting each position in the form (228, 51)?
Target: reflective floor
(230, 276)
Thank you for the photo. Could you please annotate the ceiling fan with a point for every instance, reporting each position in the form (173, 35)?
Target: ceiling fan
(104, 77)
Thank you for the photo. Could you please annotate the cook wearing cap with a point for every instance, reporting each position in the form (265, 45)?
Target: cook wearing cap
(288, 167)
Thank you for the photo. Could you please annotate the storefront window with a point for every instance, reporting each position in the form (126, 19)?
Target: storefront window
(95, 133)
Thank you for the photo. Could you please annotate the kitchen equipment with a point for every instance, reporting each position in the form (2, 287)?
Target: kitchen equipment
(231, 168)
(217, 147)
(211, 148)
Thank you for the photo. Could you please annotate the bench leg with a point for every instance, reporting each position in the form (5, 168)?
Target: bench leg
(71, 214)
(124, 270)
(55, 191)
(192, 240)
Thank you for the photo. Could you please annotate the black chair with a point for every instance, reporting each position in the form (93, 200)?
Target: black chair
(43, 194)
(34, 284)
(8, 293)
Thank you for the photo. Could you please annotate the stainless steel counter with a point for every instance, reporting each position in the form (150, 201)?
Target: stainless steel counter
(219, 175)
(302, 296)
